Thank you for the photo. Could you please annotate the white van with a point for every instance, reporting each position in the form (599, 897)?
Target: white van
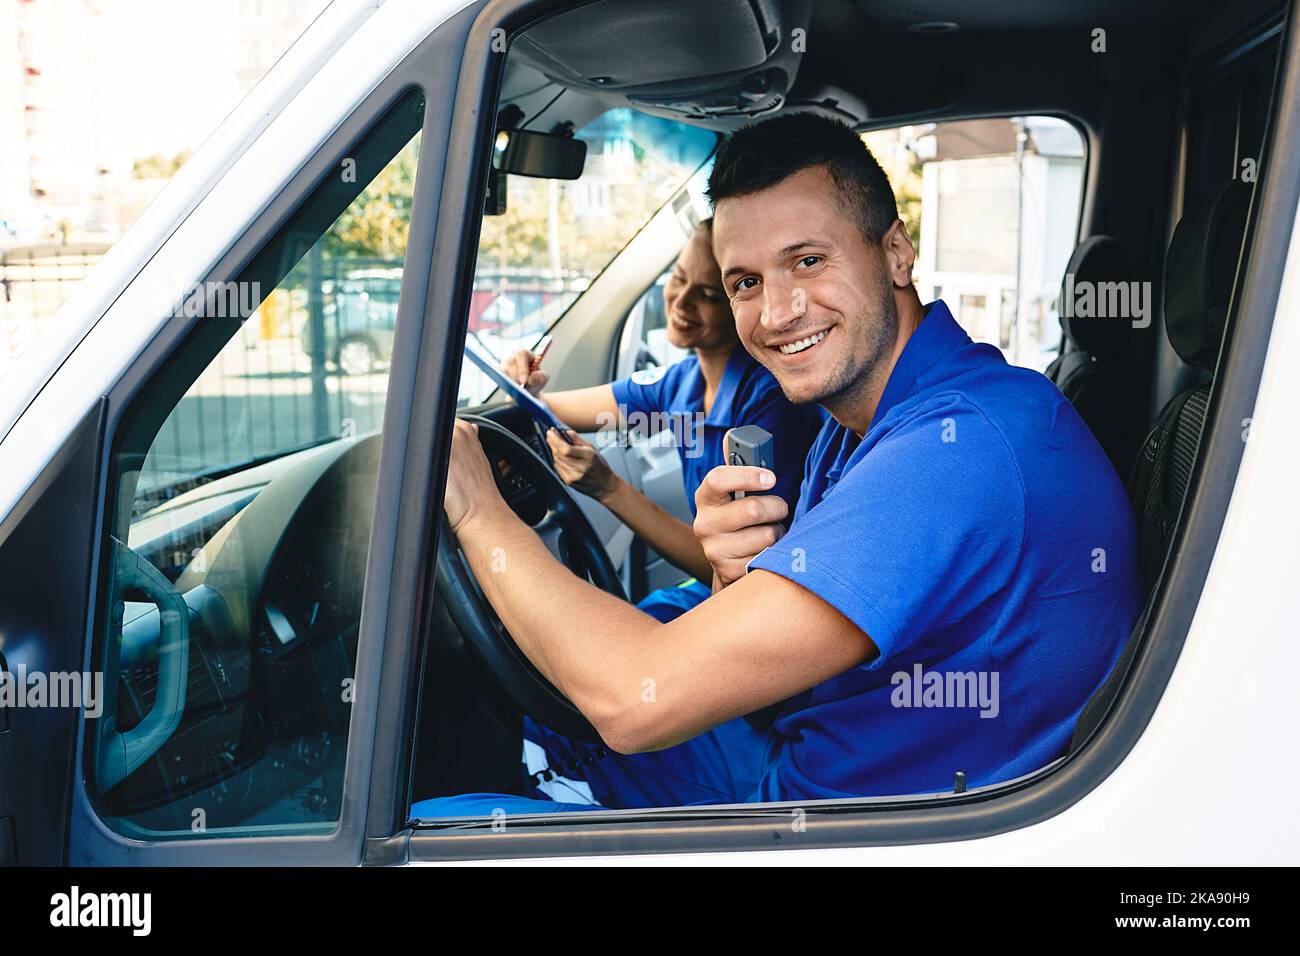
(223, 552)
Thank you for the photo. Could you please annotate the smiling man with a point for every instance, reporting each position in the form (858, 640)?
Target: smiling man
(960, 574)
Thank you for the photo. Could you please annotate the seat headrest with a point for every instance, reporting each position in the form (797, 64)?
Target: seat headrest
(1096, 260)
(1200, 269)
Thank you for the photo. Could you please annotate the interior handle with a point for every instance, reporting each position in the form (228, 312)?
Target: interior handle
(122, 752)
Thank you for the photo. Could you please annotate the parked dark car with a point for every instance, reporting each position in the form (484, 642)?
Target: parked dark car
(359, 318)
(360, 314)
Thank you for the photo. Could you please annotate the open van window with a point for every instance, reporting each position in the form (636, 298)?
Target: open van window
(556, 236)
(992, 206)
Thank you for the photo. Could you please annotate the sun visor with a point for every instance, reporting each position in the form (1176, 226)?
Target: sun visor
(637, 43)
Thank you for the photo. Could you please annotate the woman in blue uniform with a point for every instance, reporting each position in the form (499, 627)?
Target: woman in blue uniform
(720, 386)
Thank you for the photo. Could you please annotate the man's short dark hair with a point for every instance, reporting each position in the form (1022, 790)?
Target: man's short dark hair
(758, 156)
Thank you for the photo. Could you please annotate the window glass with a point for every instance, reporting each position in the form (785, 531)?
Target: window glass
(245, 477)
(1227, 113)
(556, 236)
(993, 209)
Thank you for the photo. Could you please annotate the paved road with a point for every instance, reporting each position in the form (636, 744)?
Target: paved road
(262, 400)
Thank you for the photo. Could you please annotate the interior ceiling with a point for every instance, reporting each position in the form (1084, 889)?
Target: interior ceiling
(869, 49)
(1020, 14)
(636, 43)
(863, 56)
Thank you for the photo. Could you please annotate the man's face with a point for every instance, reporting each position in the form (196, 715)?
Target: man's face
(813, 300)
(696, 307)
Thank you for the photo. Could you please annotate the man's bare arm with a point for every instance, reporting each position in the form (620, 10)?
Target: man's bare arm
(646, 685)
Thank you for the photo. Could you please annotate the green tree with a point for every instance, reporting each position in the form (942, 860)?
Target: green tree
(378, 222)
(521, 238)
(158, 166)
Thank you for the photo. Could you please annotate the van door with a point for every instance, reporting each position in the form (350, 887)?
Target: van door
(44, 566)
(213, 553)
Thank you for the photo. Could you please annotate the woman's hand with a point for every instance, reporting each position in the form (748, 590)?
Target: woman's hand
(519, 368)
(581, 466)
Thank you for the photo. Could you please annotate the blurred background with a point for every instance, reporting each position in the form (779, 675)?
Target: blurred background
(101, 101)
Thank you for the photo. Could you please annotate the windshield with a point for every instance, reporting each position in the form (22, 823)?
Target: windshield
(556, 236)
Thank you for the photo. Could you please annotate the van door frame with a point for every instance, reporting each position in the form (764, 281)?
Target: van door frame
(432, 67)
(865, 822)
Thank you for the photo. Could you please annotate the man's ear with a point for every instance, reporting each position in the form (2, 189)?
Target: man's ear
(900, 254)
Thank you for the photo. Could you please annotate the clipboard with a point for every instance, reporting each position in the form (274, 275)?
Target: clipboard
(538, 410)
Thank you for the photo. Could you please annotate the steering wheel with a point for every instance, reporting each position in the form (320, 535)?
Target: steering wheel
(569, 536)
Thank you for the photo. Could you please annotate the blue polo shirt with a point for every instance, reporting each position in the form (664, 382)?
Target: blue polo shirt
(979, 535)
(747, 395)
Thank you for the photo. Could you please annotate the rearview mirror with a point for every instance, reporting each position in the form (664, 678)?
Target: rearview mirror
(527, 153)
(542, 155)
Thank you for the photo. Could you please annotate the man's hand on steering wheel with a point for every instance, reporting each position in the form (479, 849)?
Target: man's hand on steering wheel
(477, 518)
(470, 482)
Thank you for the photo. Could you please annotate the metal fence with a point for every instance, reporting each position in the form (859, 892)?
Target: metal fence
(310, 364)
(35, 280)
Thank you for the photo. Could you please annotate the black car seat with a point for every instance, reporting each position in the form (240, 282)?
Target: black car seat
(1094, 369)
(1200, 269)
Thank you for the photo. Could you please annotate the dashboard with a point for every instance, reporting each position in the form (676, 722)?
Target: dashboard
(273, 632)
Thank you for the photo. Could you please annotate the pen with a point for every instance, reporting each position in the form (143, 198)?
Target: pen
(540, 354)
